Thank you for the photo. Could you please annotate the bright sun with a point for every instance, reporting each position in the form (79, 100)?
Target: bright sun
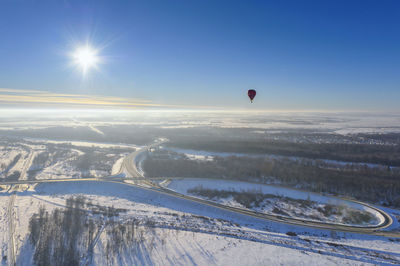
(86, 57)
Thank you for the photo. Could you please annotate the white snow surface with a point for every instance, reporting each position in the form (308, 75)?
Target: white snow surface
(261, 120)
(183, 185)
(117, 166)
(184, 238)
(85, 143)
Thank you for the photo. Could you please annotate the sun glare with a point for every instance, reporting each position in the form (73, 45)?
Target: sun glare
(86, 57)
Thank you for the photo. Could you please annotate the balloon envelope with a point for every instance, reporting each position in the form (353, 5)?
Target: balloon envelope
(251, 94)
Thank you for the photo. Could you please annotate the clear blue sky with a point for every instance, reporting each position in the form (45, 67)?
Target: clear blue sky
(334, 55)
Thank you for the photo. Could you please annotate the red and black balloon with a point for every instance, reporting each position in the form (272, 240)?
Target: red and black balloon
(251, 93)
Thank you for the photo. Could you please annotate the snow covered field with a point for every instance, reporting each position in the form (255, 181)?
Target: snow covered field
(40, 159)
(176, 231)
(190, 233)
(339, 122)
(310, 206)
(87, 143)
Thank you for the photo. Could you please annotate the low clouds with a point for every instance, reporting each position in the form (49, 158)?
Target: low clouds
(37, 98)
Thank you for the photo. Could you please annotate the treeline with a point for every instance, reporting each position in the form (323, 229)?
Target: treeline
(364, 153)
(387, 137)
(374, 184)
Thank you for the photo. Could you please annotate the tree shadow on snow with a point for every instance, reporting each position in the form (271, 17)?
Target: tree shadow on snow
(278, 230)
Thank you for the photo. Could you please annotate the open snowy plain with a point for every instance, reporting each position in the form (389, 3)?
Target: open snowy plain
(189, 233)
(111, 223)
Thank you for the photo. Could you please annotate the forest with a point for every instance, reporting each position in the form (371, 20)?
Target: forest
(68, 236)
(379, 184)
(348, 152)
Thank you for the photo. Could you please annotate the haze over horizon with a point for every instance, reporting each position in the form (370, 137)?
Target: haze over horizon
(308, 55)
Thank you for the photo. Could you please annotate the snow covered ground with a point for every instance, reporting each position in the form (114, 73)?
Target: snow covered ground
(185, 186)
(339, 122)
(117, 166)
(191, 233)
(185, 233)
(85, 143)
(27, 159)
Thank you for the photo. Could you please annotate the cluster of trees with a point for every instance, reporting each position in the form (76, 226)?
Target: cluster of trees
(129, 237)
(64, 236)
(41, 160)
(249, 199)
(93, 158)
(374, 184)
(60, 237)
(255, 198)
(357, 217)
(365, 153)
(14, 176)
(100, 160)
(48, 157)
(6, 168)
(68, 236)
(390, 137)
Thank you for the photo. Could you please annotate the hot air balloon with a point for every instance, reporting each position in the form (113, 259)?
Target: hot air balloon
(251, 94)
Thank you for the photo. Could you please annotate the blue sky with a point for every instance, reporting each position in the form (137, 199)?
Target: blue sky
(299, 55)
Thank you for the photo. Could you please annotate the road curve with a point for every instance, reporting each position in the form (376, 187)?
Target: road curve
(372, 230)
(131, 168)
(129, 163)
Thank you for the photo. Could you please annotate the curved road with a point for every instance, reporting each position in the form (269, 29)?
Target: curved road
(129, 167)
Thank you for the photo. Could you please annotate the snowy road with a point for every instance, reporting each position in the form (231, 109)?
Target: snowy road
(129, 167)
(373, 230)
